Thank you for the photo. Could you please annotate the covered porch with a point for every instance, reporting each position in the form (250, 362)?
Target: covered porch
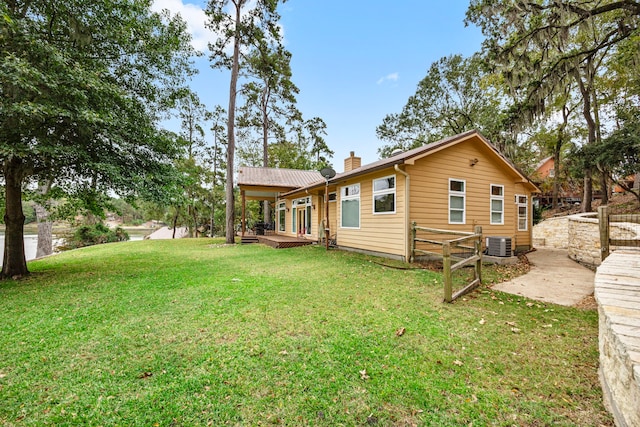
(267, 184)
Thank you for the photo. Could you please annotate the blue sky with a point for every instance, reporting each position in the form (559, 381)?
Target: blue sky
(353, 61)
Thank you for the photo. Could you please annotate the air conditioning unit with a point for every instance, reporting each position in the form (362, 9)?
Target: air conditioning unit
(499, 246)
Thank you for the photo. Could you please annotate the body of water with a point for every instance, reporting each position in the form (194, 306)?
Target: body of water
(31, 244)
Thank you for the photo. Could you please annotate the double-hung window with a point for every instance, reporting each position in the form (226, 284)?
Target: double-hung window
(350, 206)
(523, 212)
(497, 204)
(384, 195)
(457, 200)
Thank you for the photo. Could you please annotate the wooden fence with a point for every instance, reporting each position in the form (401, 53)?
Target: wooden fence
(464, 253)
(627, 232)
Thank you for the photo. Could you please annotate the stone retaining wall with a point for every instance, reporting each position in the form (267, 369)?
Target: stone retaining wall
(552, 233)
(617, 291)
(580, 235)
(584, 239)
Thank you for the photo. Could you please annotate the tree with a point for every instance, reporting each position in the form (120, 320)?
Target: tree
(82, 83)
(540, 47)
(555, 136)
(316, 129)
(270, 94)
(45, 224)
(619, 154)
(215, 158)
(192, 113)
(243, 28)
(455, 96)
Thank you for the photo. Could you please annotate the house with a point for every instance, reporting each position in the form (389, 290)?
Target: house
(545, 169)
(631, 181)
(454, 184)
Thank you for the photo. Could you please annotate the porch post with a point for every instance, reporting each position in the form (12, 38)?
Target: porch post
(244, 221)
(327, 232)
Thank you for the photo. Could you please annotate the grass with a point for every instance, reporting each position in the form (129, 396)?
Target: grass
(193, 332)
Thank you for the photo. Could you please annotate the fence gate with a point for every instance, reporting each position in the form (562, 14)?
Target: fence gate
(468, 249)
(617, 230)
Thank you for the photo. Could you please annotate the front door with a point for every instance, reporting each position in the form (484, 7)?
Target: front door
(302, 216)
(302, 220)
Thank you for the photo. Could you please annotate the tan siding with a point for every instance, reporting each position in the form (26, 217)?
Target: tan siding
(315, 217)
(430, 191)
(333, 219)
(429, 194)
(378, 232)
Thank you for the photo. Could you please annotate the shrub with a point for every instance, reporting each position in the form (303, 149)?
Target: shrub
(88, 235)
(537, 214)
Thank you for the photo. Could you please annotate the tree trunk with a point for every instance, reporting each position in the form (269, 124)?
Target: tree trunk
(45, 232)
(604, 183)
(189, 224)
(556, 180)
(588, 191)
(266, 209)
(194, 215)
(557, 149)
(265, 143)
(556, 168)
(231, 146)
(15, 262)
(45, 225)
(214, 182)
(585, 91)
(175, 222)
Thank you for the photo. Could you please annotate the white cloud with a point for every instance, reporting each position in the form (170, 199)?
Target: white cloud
(389, 77)
(195, 18)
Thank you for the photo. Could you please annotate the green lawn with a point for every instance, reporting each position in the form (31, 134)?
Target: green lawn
(193, 332)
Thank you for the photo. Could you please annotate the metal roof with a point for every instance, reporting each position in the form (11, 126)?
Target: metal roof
(272, 177)
(407, 156)
(300, 180)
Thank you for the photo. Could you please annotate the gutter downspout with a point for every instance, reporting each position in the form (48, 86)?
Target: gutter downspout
(407, 182)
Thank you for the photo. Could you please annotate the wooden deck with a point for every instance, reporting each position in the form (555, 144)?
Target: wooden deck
(279, 241)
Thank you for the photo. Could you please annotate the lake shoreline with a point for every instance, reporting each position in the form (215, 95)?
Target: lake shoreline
(31, 238)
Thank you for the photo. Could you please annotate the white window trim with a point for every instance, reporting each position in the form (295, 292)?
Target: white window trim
(526, 206)
(356, 197)
(462, 194)
(296, 204)
(294, 219)
(309, 218)
(282, 206)
(383, 192)
(493, 197)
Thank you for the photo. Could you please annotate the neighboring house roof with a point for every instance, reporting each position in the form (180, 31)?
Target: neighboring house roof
(542, 162)
(411, 156)
(271, 177)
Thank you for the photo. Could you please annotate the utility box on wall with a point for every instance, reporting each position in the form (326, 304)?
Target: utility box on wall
(499, 246)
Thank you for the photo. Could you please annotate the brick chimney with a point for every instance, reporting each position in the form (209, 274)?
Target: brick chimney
(352, 162)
